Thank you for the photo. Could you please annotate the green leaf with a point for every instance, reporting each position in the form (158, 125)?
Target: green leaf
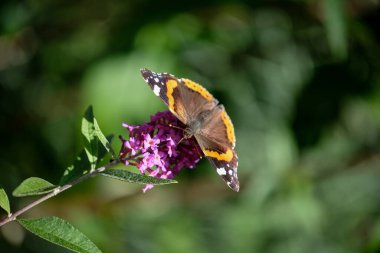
(33, 186)
(4, 201)
(77, 169)
(81, 164)
(103, 140)
(60, 232)
(125, 175)
(102, 150)
(93, 152)
(90, 137)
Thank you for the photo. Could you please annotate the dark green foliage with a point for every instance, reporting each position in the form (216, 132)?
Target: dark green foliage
(300, 80)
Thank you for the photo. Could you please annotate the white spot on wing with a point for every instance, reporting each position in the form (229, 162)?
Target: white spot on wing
(221, 171)
(156, 90)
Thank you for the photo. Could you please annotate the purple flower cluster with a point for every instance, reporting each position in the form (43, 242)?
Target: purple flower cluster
(157, 148)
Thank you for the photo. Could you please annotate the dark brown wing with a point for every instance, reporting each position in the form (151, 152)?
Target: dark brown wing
(185, 98)
(223, 159)
(217, 140)
(195, 98)
(218, 127)
(166, 86)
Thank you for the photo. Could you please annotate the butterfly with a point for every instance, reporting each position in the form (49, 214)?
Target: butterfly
(204, 117)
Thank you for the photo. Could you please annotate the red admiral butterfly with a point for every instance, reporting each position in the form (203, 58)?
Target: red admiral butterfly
(204, 118)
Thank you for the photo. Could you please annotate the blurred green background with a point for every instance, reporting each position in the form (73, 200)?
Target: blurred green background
(300, 80)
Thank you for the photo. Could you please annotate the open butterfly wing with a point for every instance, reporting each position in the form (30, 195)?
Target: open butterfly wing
(217, 140)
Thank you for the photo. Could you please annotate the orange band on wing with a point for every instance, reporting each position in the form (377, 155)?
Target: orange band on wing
(219, 156)
(198, 88)
(170, 85)
(230, 128)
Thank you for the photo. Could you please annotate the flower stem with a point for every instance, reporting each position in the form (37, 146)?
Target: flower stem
(56, 191)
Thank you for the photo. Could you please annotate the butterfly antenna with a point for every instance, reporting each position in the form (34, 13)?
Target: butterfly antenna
(171, 125)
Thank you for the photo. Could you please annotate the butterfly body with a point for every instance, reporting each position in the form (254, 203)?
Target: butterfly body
(204, 117)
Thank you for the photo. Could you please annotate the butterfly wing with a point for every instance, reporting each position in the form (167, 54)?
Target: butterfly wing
(195, 98)
(223, 159)
(185, 98)
(217, 140)
(165, 86)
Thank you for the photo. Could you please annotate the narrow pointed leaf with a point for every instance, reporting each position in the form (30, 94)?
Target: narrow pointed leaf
(131, 177)
(102, 150)
(90, 137)
(4, 201)
(103, 140)
(81, 164)
(33, 186)
(60, 232)
(79, 167)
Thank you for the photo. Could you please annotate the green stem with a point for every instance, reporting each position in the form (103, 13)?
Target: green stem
(55, 192)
